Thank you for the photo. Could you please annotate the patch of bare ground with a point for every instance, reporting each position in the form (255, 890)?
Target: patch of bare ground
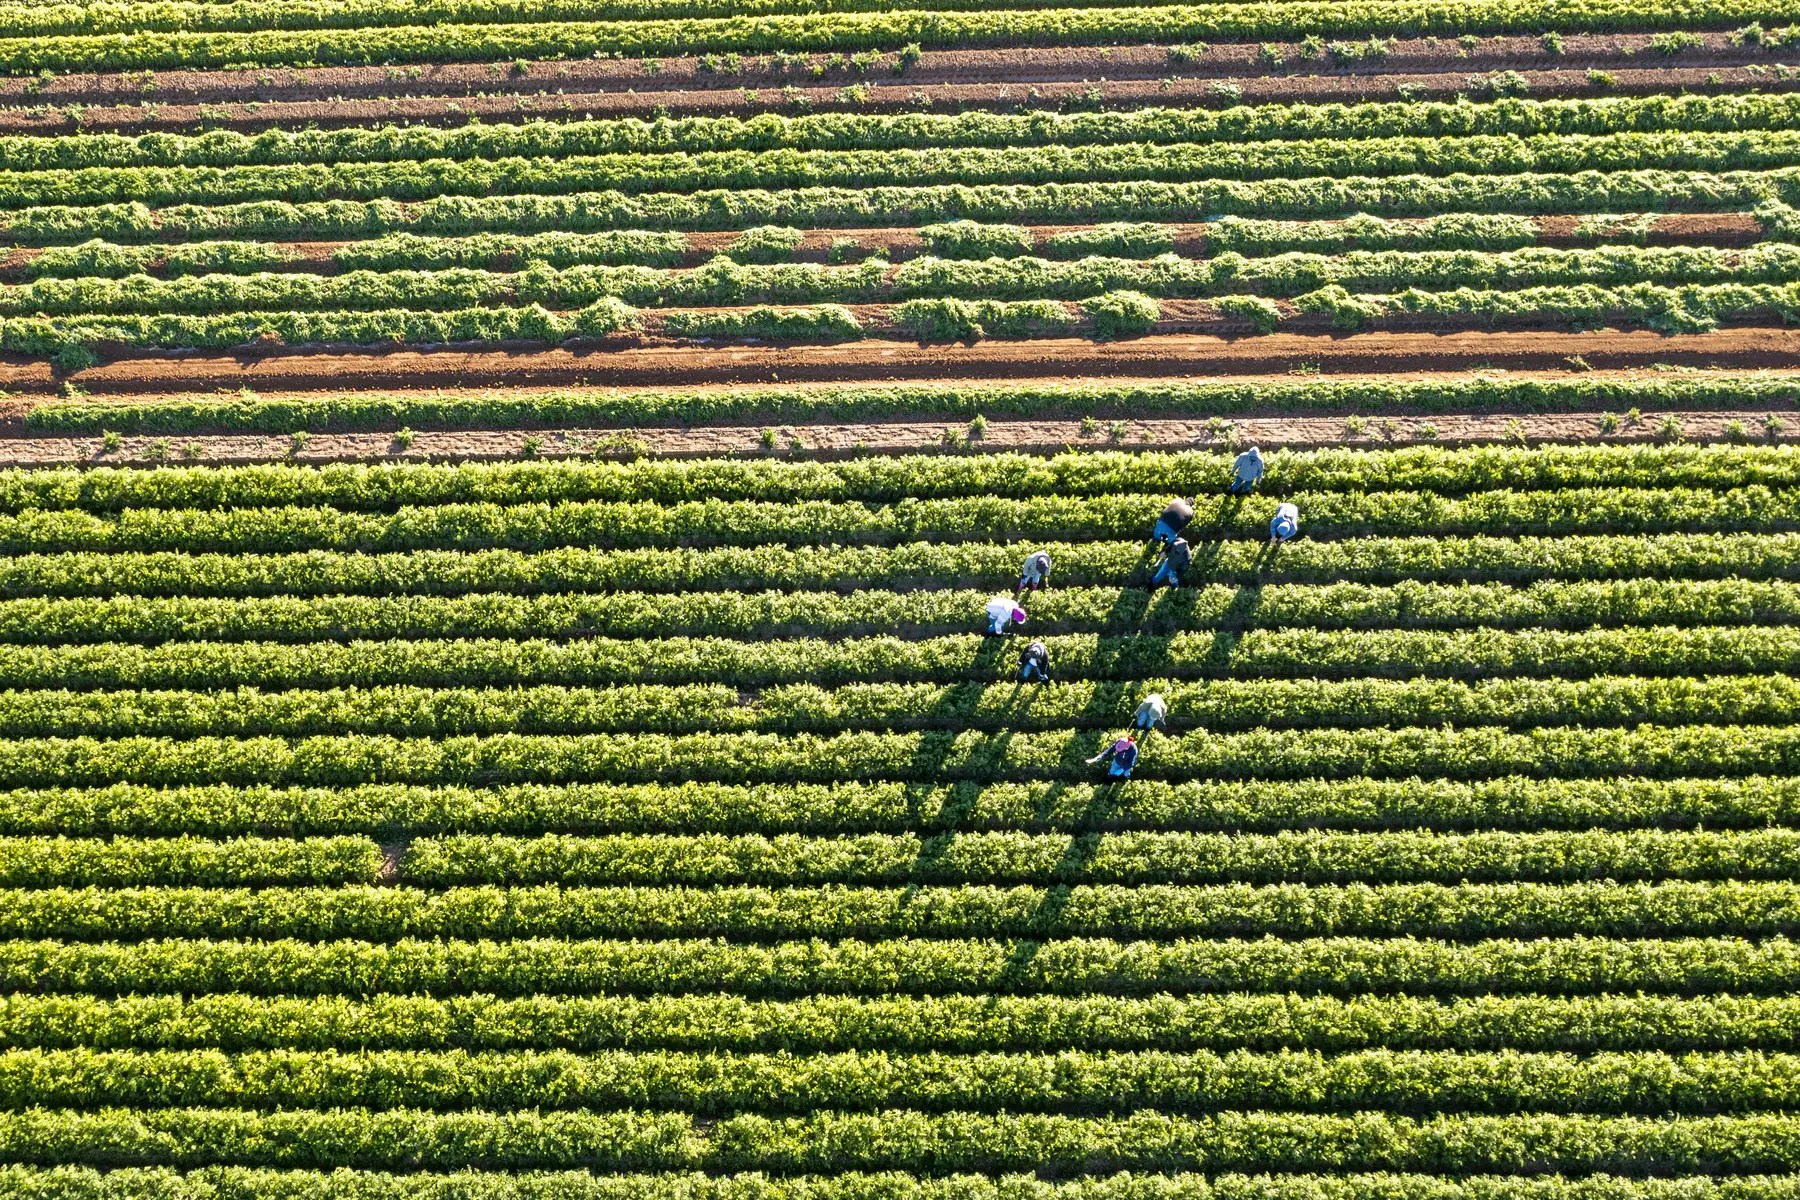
(890, 95)
(1381, 353)
(916, 436)
(1013, 65)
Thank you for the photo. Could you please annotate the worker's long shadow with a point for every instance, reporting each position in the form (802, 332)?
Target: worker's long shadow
(948, 738)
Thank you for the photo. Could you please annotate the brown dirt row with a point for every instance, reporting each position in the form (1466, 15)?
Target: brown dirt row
(900, 244)
(1017, 65)
(886, 95)
(910, 437)
(1373, 353)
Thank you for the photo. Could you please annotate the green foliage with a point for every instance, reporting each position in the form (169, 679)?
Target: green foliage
(1121, 314)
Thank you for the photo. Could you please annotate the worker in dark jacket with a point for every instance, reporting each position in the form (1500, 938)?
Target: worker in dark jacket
(1123, 755)
(1173, 520)
(1174, 561)
(1034, 667)
(1246, 472)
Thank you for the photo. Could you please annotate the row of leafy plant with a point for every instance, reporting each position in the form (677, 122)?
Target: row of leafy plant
(400, 811)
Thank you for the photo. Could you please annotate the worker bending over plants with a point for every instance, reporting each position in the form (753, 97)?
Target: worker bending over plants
(1246, 472)
(1034, 575)
(1034, 667)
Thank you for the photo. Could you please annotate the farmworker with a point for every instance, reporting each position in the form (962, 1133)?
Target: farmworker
(1001, 612)
(1173, 520)
(1285, 525)
(1035, 666)
(1151, 713)
(1123, 754)
(1174, 561)
(1035, 574)
(1246, 472)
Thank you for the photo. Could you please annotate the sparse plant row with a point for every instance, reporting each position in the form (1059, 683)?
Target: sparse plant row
(446, 41)
(249, 1183)
(851, 131)
(927, 566)
(284, 415)
(401, 811)
(961, 239)
(382, 486)
(1216, 705)
(1287, 654)
(722, 282)
(567, 207)
(910, 615)
(626, 524)
(1137, 857)
(1156, 911)
(1420, 1082)
(1484, 154)
(1478, 752)
(1046, 1023)
(898, 1139)
(1339, 966)
(69, 341)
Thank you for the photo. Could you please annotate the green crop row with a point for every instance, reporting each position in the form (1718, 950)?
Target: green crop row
(1216, 705)
(573, 209)
(1176, 162)
(1420, 1082)
(914, 615)
(913, 130)
(1476, 752)
(397, 811)
(1028, 398)
(251, 1183)
(626, 524)
(236, 1021)
(1751, 558)
(379, 486)
(959, 857)
(1291, 654)
(1470, 910)
(44, 861)
(957, 239)
(830, 1141)
(446, 40)
(1350, 967)
(722, 282)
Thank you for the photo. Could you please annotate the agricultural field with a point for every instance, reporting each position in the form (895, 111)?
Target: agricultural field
(498, 503)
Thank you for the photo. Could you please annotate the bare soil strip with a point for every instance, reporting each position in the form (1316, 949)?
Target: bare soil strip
(1017, 65)
(911, 437)
(892, 94)
(1378, 353)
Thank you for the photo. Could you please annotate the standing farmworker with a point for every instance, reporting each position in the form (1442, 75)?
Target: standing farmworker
(1173, 520)
(1151, 713)
(1035, 574)
(1001, 612)
(1174, 561)
(1123, 754)
(1285, 525)
(1035, 666)
(1246, 472)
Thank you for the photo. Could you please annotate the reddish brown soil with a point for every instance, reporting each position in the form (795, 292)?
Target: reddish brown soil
(898, 437)
(1381, 353)
(1015, 65)
(889, 94)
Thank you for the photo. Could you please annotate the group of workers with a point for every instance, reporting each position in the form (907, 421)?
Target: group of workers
(1004, 612)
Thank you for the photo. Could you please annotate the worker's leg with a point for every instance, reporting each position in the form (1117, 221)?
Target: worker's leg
(1163, 575)
(1163, 532)
(996, 626)
(1117, 772)
(1028, 672)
